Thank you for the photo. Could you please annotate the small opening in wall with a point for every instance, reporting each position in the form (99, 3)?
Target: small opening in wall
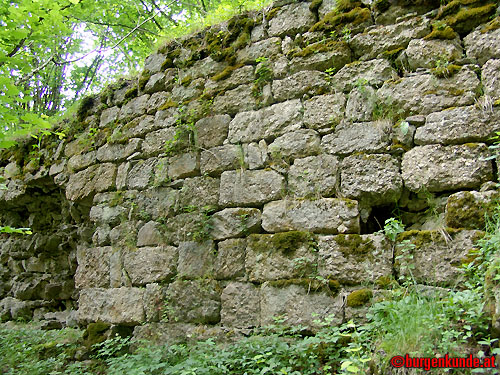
(377, 218)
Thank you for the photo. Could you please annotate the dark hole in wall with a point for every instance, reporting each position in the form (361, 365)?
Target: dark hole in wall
(377, 218)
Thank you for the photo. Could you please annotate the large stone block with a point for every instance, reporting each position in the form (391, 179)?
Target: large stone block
(184, 165)
(78, 162)
(459, 125)
(230, 262)
(154, 62)
(93, 267)
(97, 178)
(118, 152)
(304, 82)
(373, 73)
(236, 100)
(373, 43)
(134, 108)
(141, 174)
(212, 131)
(333, 57)
(468, 209)
(324, 112)
(155, 142)
(483, 46)
(300, 143)
(424, 53)
(373, 179)
(268, 122)
(358, 137)
(314, 176)
(278, 256)
(198, 191)
(424, 93)
(149, 234)
(150, 264)
(438, 255)
(235, 222)
(324, 215)
(297, 304)
(354, 259)
(490, 76)
(267, 48)
(219, 159)
(240, 305)
(196, 301)
(123, 306)
(108, 116)
(291, 19)
(441, 168)
(156, 202)
(196, 259)
(249, 188)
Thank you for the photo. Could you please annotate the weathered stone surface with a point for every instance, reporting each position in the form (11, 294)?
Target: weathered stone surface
(206, 67)
(196, 259)
(230, 261)
(237, 77)
(324, 112)
(424, 93)
(97, 178)
(153, 63)
(278, 256)
(268, 122)
(373, 73)
(353, 258)
(156, 101)
(300, 143)
(236, 100)
(304, 82)
(155, 141)
(235, 222)
(182, 94)
(325, 215)
(483, 46)
(150, 264)
(196, 301)
(178, 333)
(141, 174)
(149, 235)
(361, 104)
(490, 75)
(335, 58)
(105, 214)
(155, 83)
(212, 131)
(178, 228)
(184, 165)
(219, 159)
(459, 125)
(422, 53)
(78, 162)
(373, 43)
(248, 188)
(116, 305)
(358, 137)
(199, 192)
(118, 152)
(371, 179)
(108, 116)
(468, 209)
(267, 48)
(255, 154)
(298, 305)
(438, 259)
(156, 202)
(240, 305)
(93, 267)
(291, 19)
(314, 176)
(442, 168)
(134, 108)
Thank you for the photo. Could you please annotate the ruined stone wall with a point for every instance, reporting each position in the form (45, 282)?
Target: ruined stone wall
(246, 172)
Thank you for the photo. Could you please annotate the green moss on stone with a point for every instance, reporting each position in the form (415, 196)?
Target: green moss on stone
(354, 245)
(492, 25)
(131, 93)
(446, 33)
(359, 298)
(85, 105)
(95, 333)
(286, 242)
(225, 73)
(143, 79)
(385, 281)
(446, 71)
(392, 54)
(496, 103)
(322, 46)
(270, 15)
(314, 6)
(169, 103)
(464, 15)
(381, 5)
(311, 285)
(335, 21)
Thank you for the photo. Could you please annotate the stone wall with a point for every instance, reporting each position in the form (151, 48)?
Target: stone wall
(247, 172)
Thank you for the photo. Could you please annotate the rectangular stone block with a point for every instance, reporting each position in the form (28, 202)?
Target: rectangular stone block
(247, 188)
(324, 215)
(196, 259)
(354, 259)
(441, 168)
(150, 264)
(184, 165)
(93, 267)
(313, 177)
(116, 306)
(230, 261)
(235, 222)
(291, 19)
(212, 131)
(219, 159)
(324, 112)
(97, 178)
(240, 305)
(304, 82)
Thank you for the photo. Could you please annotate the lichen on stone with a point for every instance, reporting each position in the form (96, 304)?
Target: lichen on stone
(359, 298)
(335, 21)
